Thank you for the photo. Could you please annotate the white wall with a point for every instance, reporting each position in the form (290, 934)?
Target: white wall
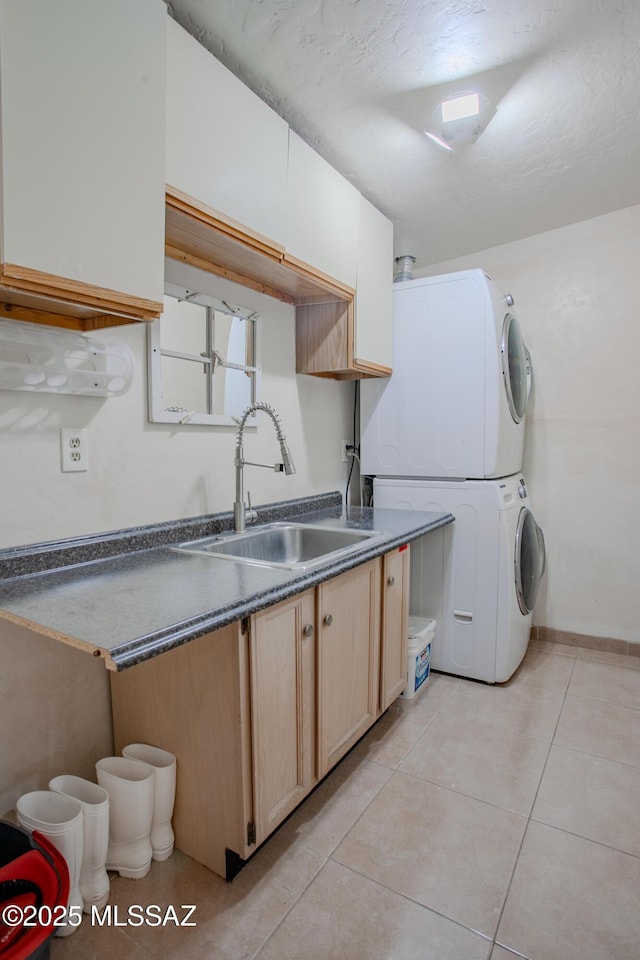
(577, 297)
(140, 472)
(55, 711)
(54, 701)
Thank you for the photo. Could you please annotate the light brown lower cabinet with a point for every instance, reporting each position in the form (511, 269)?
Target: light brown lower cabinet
(395, 633)
(282, 693)
(348, 660)
(259, 711)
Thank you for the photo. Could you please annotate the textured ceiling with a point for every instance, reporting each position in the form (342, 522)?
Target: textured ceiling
(359, 80)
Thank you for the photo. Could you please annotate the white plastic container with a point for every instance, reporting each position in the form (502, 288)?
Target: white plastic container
(421, 634)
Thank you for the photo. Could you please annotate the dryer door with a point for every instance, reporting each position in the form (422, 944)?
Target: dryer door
(516, 368)
(530, 560)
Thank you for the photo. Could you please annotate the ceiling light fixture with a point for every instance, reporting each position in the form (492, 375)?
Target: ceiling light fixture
(460, 107)
(460, 119)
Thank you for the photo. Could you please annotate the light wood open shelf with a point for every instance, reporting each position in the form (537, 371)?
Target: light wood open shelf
(209, 240)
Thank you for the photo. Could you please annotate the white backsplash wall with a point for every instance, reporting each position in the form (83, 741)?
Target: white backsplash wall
(54, 701)
(577, 298)
(141, 472)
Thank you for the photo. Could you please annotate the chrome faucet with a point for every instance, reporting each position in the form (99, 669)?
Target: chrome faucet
(242, 515)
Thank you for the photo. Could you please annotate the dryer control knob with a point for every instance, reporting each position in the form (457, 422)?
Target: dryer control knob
(508, 299)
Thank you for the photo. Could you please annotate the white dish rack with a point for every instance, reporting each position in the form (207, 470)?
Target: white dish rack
(52, 360)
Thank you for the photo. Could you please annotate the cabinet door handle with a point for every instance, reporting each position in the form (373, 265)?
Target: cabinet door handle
(308, 630)
(391, 581)
(328, 620)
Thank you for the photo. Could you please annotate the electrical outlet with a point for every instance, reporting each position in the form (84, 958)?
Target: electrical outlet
(343, 450)
(74, 450)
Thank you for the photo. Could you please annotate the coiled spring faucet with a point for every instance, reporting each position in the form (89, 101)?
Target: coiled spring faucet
(240, 512)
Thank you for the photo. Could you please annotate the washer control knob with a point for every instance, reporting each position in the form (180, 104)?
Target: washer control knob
(522, 490)
(508, 299)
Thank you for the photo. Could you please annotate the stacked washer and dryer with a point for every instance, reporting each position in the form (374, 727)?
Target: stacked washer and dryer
(446, 432)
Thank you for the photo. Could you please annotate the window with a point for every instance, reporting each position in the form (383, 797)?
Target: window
(202, 360)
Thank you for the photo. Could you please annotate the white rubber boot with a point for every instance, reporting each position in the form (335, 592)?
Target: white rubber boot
(59, 819)
(164, 794)
(129, 784)
(94, 882)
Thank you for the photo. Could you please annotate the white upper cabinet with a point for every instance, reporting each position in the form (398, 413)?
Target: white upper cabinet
(225, 147)
(374, 289)
(83, 90)
(248, 199)
(322, 214)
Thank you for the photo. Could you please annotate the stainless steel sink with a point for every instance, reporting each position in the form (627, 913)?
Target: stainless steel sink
(294, 546)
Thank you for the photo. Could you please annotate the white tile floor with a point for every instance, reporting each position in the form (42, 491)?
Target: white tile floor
(473, 823)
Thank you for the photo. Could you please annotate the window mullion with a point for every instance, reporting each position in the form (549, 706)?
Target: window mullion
(210, 348)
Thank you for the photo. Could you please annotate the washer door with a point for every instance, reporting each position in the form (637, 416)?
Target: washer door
(516, 368)
(530, 560)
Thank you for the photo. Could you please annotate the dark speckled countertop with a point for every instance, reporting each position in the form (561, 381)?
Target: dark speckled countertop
(128, 596)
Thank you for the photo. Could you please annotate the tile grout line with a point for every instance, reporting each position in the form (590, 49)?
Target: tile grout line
(613, 703)
(288, 911)
(595, 756)
(581, 753)
(331, 858)
(492, 941)
(468, 796)
(579, 836)
(325, 860)
(409, 899)
(529, 819)
(138, 944)
(406, 710)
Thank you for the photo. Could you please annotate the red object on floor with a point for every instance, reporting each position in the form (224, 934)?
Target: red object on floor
(33, 875)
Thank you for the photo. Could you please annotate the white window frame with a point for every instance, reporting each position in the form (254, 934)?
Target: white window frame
(181, 415)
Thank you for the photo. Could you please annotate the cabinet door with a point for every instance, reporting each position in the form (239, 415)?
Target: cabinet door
(373, 347)
(394, 642)
(282, 653)
(348, 660)
(322, 215)
(83, 88)
(225, 146)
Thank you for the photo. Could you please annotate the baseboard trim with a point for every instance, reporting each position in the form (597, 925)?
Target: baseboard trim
(608, 644)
